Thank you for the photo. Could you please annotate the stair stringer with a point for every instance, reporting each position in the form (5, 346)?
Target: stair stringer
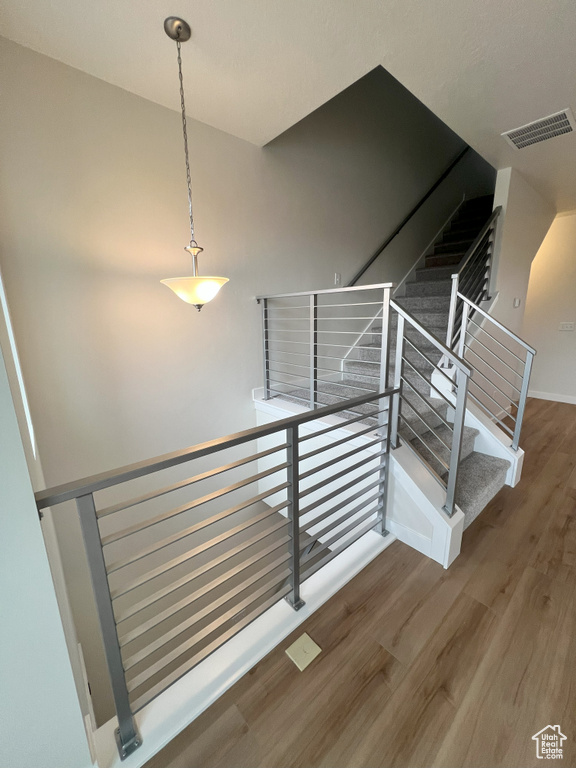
(415, 509)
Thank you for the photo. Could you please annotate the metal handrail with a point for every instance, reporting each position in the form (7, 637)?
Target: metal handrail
(326, 290)
(498, 324)
(60, 493)
(407, 218)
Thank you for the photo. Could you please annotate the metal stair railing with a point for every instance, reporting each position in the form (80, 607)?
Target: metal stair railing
(408, 401)
(473, 276)
(501, 365)
(178, 569)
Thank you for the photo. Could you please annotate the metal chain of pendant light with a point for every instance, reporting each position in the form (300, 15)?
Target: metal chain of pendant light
(194, 290)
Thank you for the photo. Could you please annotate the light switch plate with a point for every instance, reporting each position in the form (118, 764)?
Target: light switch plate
(303, 651)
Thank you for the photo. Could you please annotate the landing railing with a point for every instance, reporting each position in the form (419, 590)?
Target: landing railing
(501, 364)
(308, 335)
(179, 565)
(307, 343)
(420, 415)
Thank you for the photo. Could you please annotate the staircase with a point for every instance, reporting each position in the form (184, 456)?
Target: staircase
(425, 416)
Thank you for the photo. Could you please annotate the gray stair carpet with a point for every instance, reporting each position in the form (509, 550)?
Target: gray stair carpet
(424, 424)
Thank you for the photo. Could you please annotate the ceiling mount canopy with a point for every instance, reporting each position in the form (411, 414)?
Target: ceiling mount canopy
(195, 289)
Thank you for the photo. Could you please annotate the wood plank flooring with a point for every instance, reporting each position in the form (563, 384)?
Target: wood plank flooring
(422, 666)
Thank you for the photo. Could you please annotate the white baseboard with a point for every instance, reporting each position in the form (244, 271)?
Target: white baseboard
(571, 399)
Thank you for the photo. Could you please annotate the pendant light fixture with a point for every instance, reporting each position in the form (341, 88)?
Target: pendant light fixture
(194, 290)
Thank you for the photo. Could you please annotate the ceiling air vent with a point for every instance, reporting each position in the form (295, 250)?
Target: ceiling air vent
(541, 130)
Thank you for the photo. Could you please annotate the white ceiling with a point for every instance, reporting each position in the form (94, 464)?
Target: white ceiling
(255, 67)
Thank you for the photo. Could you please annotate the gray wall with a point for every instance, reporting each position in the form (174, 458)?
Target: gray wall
(93, 214)
(40, 718)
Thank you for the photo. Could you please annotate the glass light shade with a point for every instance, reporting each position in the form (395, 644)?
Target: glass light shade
(195, 290)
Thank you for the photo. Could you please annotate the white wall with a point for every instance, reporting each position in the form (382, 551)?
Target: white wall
(527, 218)
(40, 719)
(93, 213)
(551, 301)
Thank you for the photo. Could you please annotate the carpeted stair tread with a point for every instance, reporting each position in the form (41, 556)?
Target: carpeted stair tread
(480, 477)
(434, 445)
(429, 288)
(434, 273)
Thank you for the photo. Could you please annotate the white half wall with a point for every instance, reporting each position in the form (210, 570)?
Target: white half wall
(41, 721)
(552, 301)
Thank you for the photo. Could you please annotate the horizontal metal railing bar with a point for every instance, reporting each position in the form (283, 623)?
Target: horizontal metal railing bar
(160, 594)
(344, 456)
(472, 381)
(305, 541)
(189, 555)
(345, 471)
(339, 534)
(489, 380)
(328, 290)
(452, 356)
(189, 481)
(321, 331)
(319, 380)
(502, 327)
(173, 677)
(433, 386)
(305, 354)
(477, 341)
(428, 427)
(306, 318)
(486, 228)
(493, 415)
(474, 289)
(476, 269)
(136, 658)
(488, 365)
(183, 508)
(342, 425)
(306, 400)
(335, 444)
(341, 504)
(324, 545)
(88, 485)
(436, 365)
(341, 489)
(186, 602)
(429, 468)
(190, 531)
(139, 679)
(508, 350)
(427, 403)
(275, 361)
(305, 574)
(425, 444)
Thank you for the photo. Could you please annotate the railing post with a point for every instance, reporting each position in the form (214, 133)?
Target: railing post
(127, 737)
(522, 400)
(396, 397)
(459, 414)
(452, 312)
(487, 289)
(294, 515)
(383, 476)
(463, 328)
(266, 350)
(313, 350)
(385, 341)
